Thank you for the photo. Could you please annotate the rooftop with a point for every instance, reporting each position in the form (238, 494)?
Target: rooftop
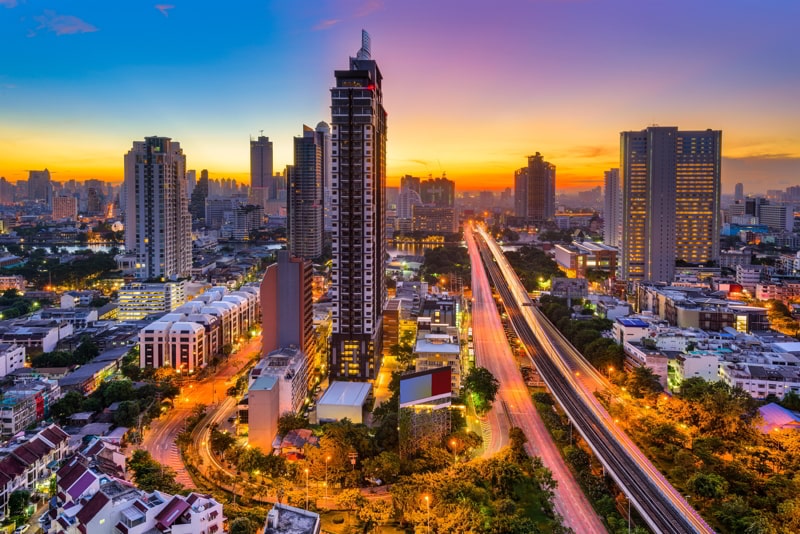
(346, 393)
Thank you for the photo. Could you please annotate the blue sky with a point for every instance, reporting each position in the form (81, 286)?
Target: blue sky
(471, 86)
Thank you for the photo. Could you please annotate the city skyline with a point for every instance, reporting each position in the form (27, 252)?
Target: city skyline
(591, 71)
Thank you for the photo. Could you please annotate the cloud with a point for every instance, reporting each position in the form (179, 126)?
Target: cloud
(8, 3)
(325, 24)
(164, 8)
(62, 24)
(369, 7)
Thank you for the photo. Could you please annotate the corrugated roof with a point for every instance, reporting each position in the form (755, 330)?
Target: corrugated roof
(346, 393)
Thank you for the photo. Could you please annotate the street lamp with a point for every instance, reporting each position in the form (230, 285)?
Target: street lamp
(306, 470)
(428, 507)
(327, 459)
(453, 444)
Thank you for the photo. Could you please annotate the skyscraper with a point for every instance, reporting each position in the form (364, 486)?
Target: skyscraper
(359, 244)
(286, 305)
(304, 199)
(438, 192)
(262, 183)
(535, 190)
(738, 192)
(612, 209)
(39, 186)
(158, 227)
(197, 204)
(323, 133)
(670, 199)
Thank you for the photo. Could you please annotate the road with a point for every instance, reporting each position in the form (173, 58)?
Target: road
(514, 405)
(573, 382)
(159, 441)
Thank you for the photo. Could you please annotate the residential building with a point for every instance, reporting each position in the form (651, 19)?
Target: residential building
(197, 205)
(291, 368)
(285, 519)
(612, 209)
(26, 403)
(304, 195)
(65, 208)
(639, 355)
(434, 219)
(287, 307)
(695, 364)
(761, 380)
(12, 357)
(437, 347)
(262, 182)
(40, 188)
(36, 335)
(535, 190)
(438, 192)
(670, 198)
(323, 134)
(158, 226)
(263, 398)
(577, 258)
(137, 300)
(246, 219)
(12, 282)
(359, 206)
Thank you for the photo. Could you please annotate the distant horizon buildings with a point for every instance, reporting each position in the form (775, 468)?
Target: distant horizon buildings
(535, 190)
(358, 135)
(670, 182)
(158, 226)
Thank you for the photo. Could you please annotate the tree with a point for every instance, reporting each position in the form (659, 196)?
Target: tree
(127, 414)
(376, 512)
(242, 525)
(17, 502)
(290, 421)
(708, 485)
(483, 386)
(150, 475)
(67, 405)
(642, 382)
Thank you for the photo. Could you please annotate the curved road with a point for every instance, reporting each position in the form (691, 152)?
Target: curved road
(515, 400)
(159, 441)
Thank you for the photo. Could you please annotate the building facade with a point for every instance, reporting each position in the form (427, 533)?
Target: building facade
(287, 305)
(158, 226)
(612, 209)
(65, 208)
(670, 198)
(262, 182)
(304, 196)
(359, 238)
(535, 190)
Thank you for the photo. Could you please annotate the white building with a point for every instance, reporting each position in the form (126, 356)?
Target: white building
(761, 380)
(158, 226)
(748, 276)
(37, 336)
(693, 365)
(344, 399)
(636, 355)
(12, 357)
(439, 347)
(137, 300)
(612, 209)
(290, 366)
(187, 346)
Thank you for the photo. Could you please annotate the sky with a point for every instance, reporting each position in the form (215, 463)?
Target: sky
(471, 87)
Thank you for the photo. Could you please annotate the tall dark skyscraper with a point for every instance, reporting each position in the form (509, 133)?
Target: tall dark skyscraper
(670, 200)
(358, 200)
(262, 182)
(39, 186)
(197, 203)
(304, 196)
(535, 190)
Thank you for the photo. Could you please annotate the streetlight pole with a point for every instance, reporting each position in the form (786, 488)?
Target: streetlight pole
(306, 488)
(428, 507)
(327, 459)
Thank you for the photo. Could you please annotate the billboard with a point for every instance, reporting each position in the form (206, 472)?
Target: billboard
(425, 386)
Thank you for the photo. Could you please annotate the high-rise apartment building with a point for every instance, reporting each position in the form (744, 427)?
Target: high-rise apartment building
(40, 188)
(197, 204)
(304, 199)
(438, 192)
(535, 190)
(612, 209)
(287, 305)
(359, 240)
(738, 192)
(158, 226)
(670, 200)
(262, 183)
(65, 208)
(323, 133)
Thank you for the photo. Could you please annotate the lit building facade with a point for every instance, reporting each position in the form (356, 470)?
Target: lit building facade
(359, 205)
(158, 226)
(612, 209)
(535, 190)
(65, 208)
(670, 200)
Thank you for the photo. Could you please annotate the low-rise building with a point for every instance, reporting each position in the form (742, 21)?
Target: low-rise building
(696, 364)
(290, 366)
(12, 282)
(637, 355)
(285, 519)
(36, 336)
(344, 399)
(263, 399)
(12, 357)
(137, 300)
(26, 403)
(439, 347)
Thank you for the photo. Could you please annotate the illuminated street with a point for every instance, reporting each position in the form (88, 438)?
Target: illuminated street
(160, 439)
(514, 401)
